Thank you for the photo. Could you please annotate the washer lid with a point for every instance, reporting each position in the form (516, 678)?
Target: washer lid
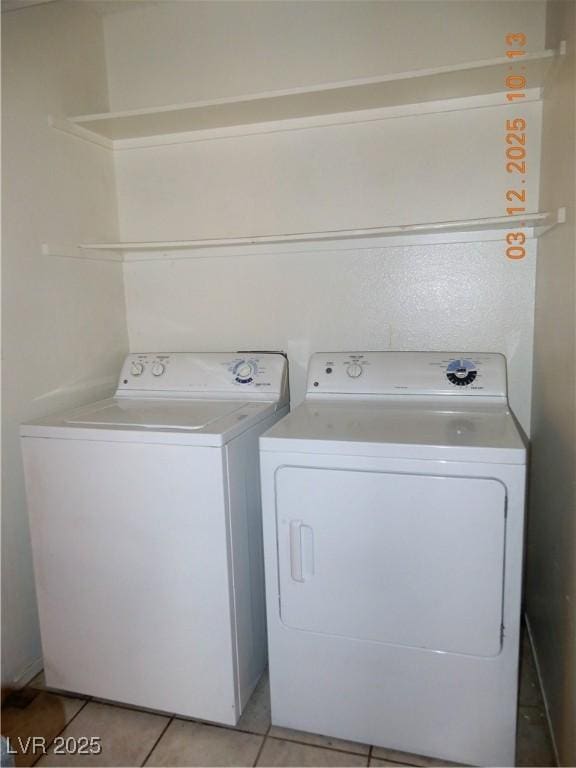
(155, 414)
(185, 422)
(440, 431)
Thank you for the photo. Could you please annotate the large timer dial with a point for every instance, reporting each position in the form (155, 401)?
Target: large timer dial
(244, 372)
(461, 373)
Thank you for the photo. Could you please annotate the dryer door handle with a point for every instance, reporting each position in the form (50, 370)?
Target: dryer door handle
(301, 551)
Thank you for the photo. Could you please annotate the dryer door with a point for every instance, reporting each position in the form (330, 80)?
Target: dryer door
(411, 560)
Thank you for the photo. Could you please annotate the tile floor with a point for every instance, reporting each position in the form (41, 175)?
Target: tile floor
(131, 737)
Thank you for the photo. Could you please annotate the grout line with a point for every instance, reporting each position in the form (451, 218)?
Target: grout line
(370, 754)
(63, 692)
(223, 726)
(170, 720)
(320, 746)
(61, 731)
(133, 708)
(264, 740)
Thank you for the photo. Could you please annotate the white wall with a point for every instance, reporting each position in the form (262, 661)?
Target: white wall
(64, 329)
(435, 167)
(431, 167)
(439, 297)
(551, 572)
(160, 53)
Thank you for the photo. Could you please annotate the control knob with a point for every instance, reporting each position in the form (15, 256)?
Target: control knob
(158, 369)
(136, 369)
(244, 371)
(461, 373)
(354, 370)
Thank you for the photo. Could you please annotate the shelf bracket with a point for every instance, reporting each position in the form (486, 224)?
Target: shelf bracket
(560, 218)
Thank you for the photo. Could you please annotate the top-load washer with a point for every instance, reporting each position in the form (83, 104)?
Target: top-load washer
(146, 533)
(393, 507)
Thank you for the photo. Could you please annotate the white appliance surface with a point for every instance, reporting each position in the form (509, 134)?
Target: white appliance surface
(468, 432)
(146, 534)
(179, 397)
(366, 551)
(150, 414)
(393, 508)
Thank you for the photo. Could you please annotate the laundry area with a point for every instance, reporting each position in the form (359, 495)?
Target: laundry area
(288, 383)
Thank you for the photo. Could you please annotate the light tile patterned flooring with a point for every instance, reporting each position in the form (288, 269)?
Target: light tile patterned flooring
(132, 737)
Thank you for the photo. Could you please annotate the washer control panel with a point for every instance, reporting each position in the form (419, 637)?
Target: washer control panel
(186, 374)
(407, 373)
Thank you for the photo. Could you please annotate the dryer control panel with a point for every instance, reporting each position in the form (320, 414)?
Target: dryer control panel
(407, 373)
(237, 375)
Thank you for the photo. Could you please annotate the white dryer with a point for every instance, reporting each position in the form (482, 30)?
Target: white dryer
(393, 506)
(146, 533)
